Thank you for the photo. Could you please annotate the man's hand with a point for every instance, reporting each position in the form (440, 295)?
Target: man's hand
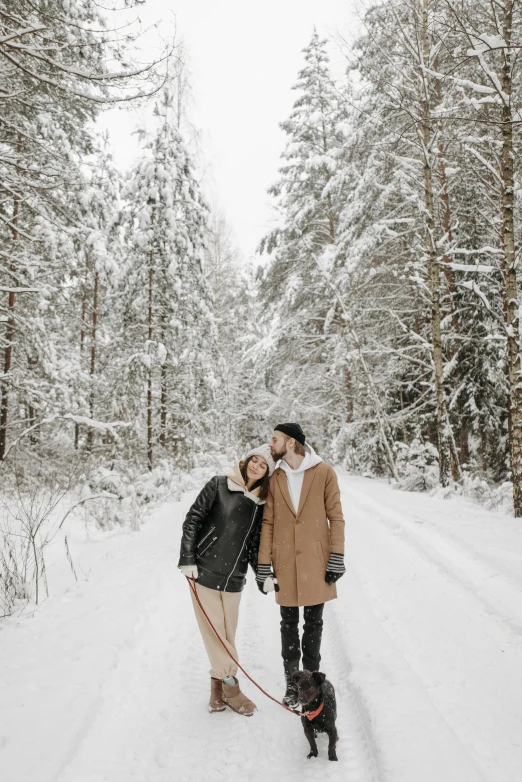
(266, 580)
(335, 568)
(190, 571)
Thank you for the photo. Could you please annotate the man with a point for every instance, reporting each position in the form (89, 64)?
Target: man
(302, 538)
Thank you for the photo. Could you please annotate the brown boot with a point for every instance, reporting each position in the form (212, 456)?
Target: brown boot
(237, 701)
(216, 696)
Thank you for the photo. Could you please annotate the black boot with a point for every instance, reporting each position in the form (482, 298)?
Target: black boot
(310, 665)
(290, 698)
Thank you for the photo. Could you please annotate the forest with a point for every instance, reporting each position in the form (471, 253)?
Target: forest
(382, 309)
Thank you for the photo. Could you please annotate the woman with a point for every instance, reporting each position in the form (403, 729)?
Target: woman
(220, 537)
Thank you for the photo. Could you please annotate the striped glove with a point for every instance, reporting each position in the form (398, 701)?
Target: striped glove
(265, 579)
(335, 568)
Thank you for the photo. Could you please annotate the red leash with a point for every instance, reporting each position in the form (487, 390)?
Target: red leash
(192, 585)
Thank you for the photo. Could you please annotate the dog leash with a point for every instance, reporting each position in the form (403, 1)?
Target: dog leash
(193, 587)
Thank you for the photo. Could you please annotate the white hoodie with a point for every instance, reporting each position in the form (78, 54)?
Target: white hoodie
(295, 477)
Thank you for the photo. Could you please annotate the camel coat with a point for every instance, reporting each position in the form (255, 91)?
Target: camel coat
(298, 545)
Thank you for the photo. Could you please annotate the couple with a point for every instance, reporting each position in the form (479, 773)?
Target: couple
(287, 522)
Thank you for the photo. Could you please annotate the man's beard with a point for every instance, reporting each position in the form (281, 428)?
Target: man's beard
(276, 456)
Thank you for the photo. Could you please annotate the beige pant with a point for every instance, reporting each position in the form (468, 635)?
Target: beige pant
(223, 609)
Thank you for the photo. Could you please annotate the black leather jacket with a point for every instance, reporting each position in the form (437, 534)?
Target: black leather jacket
(221, 536)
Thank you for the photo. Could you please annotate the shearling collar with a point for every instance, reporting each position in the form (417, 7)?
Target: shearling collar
(235, 483)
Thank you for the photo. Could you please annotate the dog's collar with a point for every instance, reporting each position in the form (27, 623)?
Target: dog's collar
(313, 714)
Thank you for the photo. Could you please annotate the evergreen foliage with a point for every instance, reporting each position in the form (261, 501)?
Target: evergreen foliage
(382, 313)
(390, 284)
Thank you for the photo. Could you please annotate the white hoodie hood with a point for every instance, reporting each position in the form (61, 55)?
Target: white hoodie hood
(295, 477)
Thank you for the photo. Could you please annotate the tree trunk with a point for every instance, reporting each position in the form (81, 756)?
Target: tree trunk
(349, 395)
(82, 345)
(163, 404)
(9, 333)
(445, 215)
(463, 442)
(34, 436)
(404, 431)
(456, 472)
(94, 327)
(511, 283)
(163, 392)
(445, 212)
(433, 265)
(8, 354)
(331, 220)
(149, 378)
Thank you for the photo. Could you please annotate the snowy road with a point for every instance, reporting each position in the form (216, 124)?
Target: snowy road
(108, 680)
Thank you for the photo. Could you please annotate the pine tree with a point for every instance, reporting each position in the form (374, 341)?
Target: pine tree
(298, 300)
(54, 65)
(168, 325)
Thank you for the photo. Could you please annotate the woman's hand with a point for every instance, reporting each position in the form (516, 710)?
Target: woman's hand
(266, 580)
(190, 571)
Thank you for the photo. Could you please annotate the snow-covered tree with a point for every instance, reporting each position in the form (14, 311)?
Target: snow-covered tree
(168, 331)
(56, 71)
(296, 366)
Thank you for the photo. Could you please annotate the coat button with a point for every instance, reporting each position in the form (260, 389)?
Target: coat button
(297, 553)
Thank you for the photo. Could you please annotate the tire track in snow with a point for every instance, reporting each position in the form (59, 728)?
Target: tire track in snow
(441, 536)
(261, 621)
(134, 701)
(407, 735)
(357, 722)
(500, 592)
(465, 549)
(150, 723)
(153, 724)
(463, 652)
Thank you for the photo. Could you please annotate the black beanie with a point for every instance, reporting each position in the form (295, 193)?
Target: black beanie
(292, 430)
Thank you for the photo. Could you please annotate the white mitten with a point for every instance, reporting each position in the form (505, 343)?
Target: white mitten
(190, 571)
(270, 584)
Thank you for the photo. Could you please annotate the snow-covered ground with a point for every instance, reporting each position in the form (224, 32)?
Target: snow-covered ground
(108, 680)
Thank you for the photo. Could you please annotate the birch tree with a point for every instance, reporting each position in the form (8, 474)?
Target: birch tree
(491, 38)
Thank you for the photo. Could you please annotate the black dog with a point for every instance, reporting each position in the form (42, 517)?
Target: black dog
(317, 698)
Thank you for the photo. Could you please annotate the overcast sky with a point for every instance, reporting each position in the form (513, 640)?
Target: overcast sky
(244, 59)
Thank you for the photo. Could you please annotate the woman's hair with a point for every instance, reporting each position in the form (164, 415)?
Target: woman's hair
(263, 482)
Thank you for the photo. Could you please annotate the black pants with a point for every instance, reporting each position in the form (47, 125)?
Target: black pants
(312, 634)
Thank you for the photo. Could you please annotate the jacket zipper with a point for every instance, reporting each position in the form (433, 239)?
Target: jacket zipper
(242, 547)
(200, 553)
(211, 530)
